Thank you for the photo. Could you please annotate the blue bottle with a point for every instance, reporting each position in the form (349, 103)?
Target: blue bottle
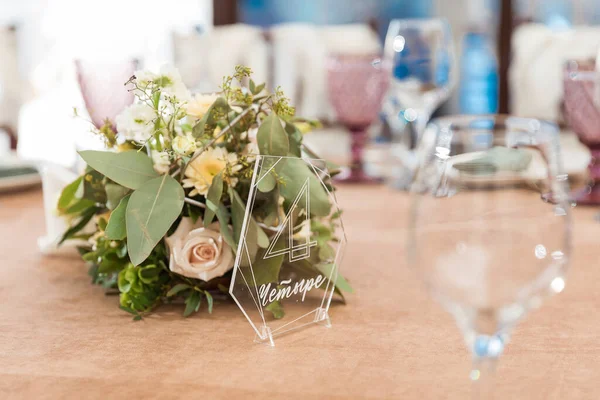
(478, 93)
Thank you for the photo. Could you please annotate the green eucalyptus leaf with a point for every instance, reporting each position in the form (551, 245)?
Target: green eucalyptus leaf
(295, 137)
(267, 182)
(129, 168)
(272, 138)
(151, 211)
(269, 168)
(114, 194)
(214, 197)
(116, 228)
(295, 175)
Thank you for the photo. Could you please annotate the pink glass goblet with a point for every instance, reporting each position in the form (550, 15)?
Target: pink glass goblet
(103, 88)
(357, 86)
(583, 114)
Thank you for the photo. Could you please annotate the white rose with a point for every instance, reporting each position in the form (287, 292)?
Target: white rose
(136, 122)
(184, 145)
(198, 252)
(161, 161)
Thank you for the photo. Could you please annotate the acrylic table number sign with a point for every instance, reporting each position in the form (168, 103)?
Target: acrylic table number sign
(292, 239)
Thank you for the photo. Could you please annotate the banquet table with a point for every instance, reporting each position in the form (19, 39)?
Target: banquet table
(61, 337)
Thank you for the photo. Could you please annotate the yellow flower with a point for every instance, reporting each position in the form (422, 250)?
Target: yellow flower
(200, 104)
(125, 147)
(184, 145)
(201, 172)
(216, 133)
(303, 127)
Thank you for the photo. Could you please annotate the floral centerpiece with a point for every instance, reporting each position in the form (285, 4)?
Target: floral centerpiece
(160, 210)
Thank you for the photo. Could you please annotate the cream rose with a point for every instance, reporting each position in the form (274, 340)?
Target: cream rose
(198, 252)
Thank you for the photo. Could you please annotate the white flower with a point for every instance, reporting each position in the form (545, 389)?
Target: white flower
(197, 252)
(202, 170)
(200, 103)
(136, 122)
(184, 144)
(144, 77)
(161, 161)
(170, 81)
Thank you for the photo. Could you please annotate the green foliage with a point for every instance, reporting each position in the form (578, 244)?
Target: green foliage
(272, 138)
(294, 175)
(114, 194)
(213, 198)
(130, 168)
(141, 287)
(116, 228)
(276, 309)
(151, 211)
(208, 121)
(134, 207)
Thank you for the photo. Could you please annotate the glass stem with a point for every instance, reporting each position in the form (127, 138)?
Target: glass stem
(419, 125)
(483, 376)
(359, 140)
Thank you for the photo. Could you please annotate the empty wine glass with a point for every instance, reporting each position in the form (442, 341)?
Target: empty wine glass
(422, 56)
(583, 113)
(357, 85)
(489, 228)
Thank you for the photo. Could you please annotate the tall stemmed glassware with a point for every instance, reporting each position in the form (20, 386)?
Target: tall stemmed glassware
(582, 110)
(422, 56)
(357, 85)
(490, 226)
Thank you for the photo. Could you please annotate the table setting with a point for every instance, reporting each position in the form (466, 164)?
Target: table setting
(201, 246)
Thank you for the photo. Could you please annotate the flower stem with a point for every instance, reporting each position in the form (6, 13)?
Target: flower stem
(194, 202)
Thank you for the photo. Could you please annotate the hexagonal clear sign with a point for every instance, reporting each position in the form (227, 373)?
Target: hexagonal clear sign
(290, 247)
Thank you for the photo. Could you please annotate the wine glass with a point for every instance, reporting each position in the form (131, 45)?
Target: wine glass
(582, 111)
(422, 55)
(490, 225)
(357, 85)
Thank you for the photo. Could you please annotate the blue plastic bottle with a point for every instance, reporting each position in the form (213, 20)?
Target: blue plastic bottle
(478, 93)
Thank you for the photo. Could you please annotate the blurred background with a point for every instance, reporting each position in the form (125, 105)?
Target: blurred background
(500, 56)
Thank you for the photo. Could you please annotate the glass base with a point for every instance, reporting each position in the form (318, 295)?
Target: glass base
(589, 196)
(351, 175)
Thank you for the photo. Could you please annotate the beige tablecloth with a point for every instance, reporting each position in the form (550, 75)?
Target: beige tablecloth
(61, 337)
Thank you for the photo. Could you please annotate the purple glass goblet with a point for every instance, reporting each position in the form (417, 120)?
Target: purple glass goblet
(103, 88)
(357, 86)
(583, 114)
